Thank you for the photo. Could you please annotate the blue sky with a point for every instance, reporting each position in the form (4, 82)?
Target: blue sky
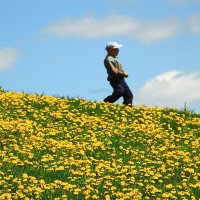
(57, 47)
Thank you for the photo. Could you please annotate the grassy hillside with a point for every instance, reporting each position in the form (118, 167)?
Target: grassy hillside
(59, 148)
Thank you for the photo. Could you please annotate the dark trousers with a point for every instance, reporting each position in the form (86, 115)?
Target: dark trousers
(120, 89)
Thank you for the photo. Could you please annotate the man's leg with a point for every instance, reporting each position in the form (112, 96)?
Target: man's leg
(128, 95)
(118, 91)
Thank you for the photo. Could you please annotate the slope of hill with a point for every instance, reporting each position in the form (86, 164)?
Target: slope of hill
(61, 148)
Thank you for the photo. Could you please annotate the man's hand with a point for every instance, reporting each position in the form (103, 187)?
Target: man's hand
(125, 75)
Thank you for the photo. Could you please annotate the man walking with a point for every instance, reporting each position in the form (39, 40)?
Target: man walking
(116, 75)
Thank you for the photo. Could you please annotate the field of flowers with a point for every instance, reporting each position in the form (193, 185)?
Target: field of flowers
(62, 148)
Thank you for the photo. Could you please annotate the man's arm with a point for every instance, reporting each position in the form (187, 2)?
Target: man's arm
(125, 74)
(116, 72)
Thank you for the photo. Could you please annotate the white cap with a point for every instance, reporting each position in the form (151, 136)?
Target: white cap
(113, 45)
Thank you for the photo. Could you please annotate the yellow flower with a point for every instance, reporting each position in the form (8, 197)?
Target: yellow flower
(60, 168)
(20, 187)
(179, 128)
(123, 183)
(169, 186)
(165, 195)
(25, 176)
(77, 191)
(107, 197)
(95, 197)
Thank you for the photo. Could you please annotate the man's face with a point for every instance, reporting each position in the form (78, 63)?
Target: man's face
(113, 52)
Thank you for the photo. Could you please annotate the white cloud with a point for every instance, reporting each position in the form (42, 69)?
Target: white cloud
(92, 27)
(194, 24)
(8, 57)
(157, 30)
(172, 88)
(115, 25)
(146, 31)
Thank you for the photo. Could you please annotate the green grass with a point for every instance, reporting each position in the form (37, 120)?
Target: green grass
(70, 148)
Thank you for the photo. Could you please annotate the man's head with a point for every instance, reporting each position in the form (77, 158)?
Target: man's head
(113, 48)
